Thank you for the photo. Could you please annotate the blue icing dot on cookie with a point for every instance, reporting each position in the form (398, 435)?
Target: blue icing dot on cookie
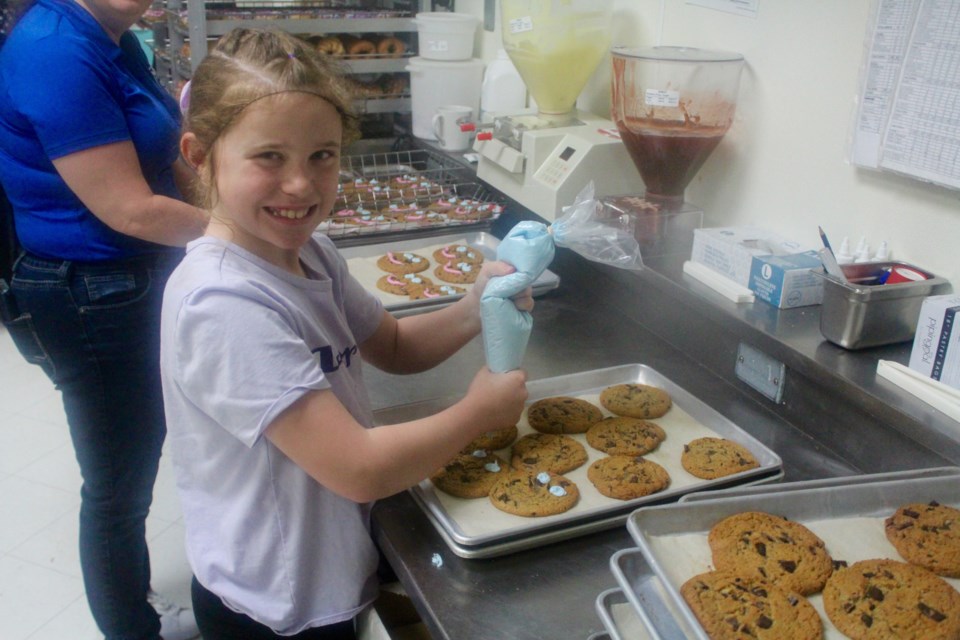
(543, 477)
(492, 467)
(558, 491)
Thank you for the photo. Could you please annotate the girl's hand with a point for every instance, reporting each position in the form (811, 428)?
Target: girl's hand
(492, 269)
(497, 397)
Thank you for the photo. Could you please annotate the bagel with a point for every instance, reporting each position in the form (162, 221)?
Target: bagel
(331, 45)
(391, 47)
(361, 48)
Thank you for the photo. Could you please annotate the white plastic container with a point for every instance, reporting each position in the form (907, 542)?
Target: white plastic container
(503, 91)
(446, 36)
(434, 83)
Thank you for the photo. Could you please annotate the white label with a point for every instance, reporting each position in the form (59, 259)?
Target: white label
(661, 98)
(438, 45)
(519, 25)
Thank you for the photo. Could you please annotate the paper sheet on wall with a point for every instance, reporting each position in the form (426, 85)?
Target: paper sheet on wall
(908, 119)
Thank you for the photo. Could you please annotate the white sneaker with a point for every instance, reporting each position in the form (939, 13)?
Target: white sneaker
(176, 622)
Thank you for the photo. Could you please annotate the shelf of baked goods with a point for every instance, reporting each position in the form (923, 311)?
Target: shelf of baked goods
(405, 192)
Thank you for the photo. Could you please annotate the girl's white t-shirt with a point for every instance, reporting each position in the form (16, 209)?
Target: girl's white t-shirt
(241, 340)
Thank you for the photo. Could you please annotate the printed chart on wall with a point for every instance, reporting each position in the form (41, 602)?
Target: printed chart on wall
(908, 119)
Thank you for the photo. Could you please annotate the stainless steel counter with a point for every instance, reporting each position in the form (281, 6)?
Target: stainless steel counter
(835, 418)
(598, 318)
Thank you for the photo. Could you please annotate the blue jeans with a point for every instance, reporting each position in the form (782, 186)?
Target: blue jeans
(94, 328)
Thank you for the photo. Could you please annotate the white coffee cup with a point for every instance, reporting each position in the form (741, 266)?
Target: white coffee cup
(453, 125)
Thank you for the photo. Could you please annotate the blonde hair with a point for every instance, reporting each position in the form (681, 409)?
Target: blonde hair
(245, 66)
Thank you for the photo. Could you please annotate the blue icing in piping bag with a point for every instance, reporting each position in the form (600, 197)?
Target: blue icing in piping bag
(530, 247)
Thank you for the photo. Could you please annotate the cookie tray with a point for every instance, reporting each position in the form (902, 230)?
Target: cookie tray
(847, 515)
(620, 618)
(362, 262)
(476, 529)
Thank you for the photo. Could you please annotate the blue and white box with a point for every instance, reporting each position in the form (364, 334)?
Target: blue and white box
(785, 281)
(936, 345)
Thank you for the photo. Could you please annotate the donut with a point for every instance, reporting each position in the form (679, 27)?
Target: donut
(361, 48)
(391, 47)
(331, 45)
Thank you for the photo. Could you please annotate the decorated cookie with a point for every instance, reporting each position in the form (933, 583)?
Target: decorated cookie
(773, 548)
(627, 477)
(563, 414)
(403, 285)
(402, 263)
(881, 598)
(458, 253)
(927, 535)
(470, 475)
(547, 452)
(730, 606)
(635, 400)
(435, 291)
(534, 494)
(711, 458)
(625, 436)
(458, 272)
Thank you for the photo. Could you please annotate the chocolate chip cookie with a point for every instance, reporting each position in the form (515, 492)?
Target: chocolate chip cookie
(627, 477)
(636, 400)
(547, 452)
(492, 440)
(458, 253)
(563, 414)
(711, 458)
(534, 493)
(625, 436)
(927, 535)
(470, 475)
(881, 598)
(731, 606)
(773, 548)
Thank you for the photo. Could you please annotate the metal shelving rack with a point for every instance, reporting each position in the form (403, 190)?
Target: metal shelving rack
(200, 27)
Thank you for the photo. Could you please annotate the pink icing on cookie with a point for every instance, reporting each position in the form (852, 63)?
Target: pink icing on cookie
(414, 217)
(449, 269)
(395, 282)
(345, 213)
(392, 259)
(428, 294)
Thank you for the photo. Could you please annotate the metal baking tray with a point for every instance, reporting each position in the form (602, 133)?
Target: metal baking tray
(641, 587)
(848, 515)
(476, 529)
(619, 616)
(362, 262)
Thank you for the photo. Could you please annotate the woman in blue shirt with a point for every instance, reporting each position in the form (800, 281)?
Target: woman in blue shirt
(89, 162)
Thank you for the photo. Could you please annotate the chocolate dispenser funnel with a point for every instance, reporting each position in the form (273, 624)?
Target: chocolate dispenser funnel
(672, 106)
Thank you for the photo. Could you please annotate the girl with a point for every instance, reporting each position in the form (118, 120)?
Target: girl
(264, 337)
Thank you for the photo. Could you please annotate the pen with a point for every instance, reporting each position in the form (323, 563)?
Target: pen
(830, 264)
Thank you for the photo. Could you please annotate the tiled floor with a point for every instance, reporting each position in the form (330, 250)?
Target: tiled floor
(41, 591)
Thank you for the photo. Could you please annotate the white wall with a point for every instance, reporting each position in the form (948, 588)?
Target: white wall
(783, 165)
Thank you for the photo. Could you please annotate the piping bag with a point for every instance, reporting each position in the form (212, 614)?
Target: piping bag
(530, 247)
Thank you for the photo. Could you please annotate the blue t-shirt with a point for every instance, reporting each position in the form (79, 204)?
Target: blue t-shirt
(65, 86)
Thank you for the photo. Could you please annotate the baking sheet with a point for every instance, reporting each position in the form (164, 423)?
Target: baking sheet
(483, 530)
(619, 616)
(362, 261)
(645, 595)
(848, 517)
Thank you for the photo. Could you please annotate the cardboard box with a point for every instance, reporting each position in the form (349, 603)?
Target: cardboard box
(786, 281)
(936, 345)
(730, 250)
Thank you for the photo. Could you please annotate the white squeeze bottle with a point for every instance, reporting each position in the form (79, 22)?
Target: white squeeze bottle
(503, 91)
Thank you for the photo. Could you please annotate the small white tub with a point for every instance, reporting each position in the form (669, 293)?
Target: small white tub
(446, 36)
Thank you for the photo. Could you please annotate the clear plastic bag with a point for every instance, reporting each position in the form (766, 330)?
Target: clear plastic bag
(530, 247)
(580, 228)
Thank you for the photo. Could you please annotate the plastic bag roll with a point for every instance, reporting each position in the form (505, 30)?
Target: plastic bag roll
(506, 330)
